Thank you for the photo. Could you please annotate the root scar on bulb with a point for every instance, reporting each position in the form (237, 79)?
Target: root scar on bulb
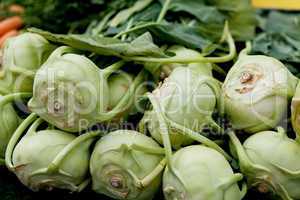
(246, 77)
(116, 182)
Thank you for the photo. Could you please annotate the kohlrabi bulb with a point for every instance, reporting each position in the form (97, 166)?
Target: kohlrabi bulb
(256, 93)
(271, 163)
(119, 84)
(72, 93)
(127, 165)
(21, 57)
(165, 69)
(9, 121)
(198, 172)
(49, 159)
(188, 98)
(295, 110)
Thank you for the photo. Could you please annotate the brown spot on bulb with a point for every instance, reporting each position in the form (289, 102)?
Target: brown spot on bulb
(116, 182)
(244, 90)
(57, 106)
(263, 188)
(246, 77)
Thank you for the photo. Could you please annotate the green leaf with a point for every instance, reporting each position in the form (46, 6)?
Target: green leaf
(214, 13)
(203, 12)
(141, 46)
(195, 37)
(281, 38)
(125, 14)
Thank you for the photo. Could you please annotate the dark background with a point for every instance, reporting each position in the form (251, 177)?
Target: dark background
(12, 189)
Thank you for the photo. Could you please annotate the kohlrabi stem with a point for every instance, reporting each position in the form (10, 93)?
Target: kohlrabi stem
(102, 23)
(221, 59)
(150, 177)
(160, 18)
(136, 28)
(244, 190)
(199, 138)
(34, 126)
(247, 166)
(228, 182)
(25, 72)
(59, 52)
(55, 164)
(219, 70)
(113, 68)
(163, 11)
(121, 106)
(246, 50)
(129, 25)
(163, 127)
(15, 138)
(156, 151)
(83, 185)
(15, 96)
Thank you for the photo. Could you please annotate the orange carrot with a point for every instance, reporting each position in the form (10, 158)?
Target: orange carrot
(11, 23)
(15, 8)
(6, 36)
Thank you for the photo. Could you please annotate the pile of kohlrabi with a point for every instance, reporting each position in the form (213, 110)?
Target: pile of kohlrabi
(128, 115)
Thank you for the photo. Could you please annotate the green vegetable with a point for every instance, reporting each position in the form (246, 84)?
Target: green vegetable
(21, 57)
(141, 46)
(256, 92)
(9, 120)
(270, 161)
(66, 16)
(280, 36)
(48, 159)
(295, 119)
(127, 165)
(74, 100)
(213, 14)
(198, 172)
(119, 84)
(194, 163)
(193, 24)
(167, 127)
(164, 70)
(142, 49)
(188, 97)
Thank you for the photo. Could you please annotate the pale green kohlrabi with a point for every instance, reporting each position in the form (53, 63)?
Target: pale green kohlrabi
(72, 93)
(197, 172)
(126, 164)
(271, 163)
(256, 92)
(295, 111)
(21, 57)
(9, 119)
(119, 84)
(188, 98)
(49, 159)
